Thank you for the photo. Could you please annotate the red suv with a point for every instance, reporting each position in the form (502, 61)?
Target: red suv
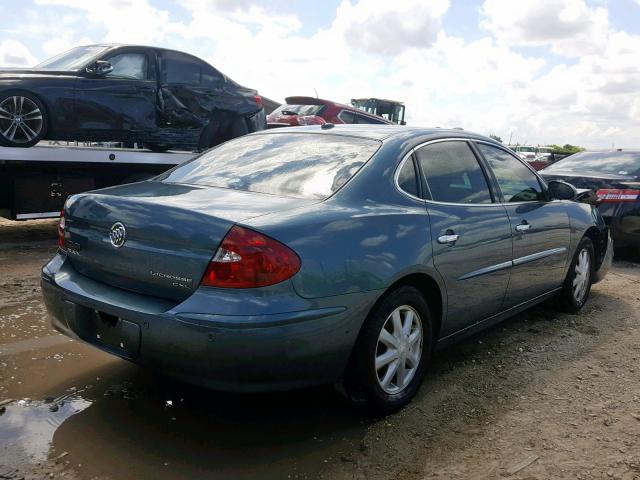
(316, 111)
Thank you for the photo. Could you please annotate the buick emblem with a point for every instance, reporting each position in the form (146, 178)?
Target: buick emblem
(118, 235)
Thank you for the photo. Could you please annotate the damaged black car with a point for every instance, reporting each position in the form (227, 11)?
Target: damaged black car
(123, 93)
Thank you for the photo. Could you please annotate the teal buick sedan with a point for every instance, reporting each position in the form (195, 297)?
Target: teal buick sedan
(317, 255)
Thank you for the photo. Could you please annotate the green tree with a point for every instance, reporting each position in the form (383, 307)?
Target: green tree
(495, 137)
(566, 148)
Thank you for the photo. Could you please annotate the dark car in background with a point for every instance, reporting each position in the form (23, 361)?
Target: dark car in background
(125, 93)
(307, 255)
(317, 111)
(615, 177)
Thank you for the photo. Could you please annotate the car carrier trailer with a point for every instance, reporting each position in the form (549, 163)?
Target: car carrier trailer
(35, 182)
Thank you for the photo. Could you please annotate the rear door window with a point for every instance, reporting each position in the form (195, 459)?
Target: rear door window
(347, 117)
(286, 164)
(363, 119)
(184, 69)
(516, 181)
(453, 173)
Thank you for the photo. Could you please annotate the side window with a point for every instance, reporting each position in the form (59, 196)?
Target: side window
(453, 173)
(128, 65)
(179, 68)
(347, 117)
(517, 182)
(210, 76)
(368, 120)
(407, 178)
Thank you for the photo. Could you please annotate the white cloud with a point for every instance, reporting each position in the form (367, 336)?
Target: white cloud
(15, 54)
(569, 27)
(125, 21)
(390, 27)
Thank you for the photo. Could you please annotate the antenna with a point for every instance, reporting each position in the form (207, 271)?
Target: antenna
(314, 89)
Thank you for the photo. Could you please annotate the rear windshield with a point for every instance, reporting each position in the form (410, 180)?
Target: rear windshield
(302, 165)
(613, 163)
(298, 110)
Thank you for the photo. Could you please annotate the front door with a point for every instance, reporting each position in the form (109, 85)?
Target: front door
(470, 233)
(122, 102)
(540, 227)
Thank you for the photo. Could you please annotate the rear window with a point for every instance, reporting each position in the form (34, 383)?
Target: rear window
(287, 164)
(299, 110)
(613, 163)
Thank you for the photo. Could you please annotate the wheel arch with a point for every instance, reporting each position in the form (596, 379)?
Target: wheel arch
(430, 290)
(599, 243)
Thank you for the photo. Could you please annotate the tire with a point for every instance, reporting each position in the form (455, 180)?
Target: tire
(577, 284)
(158, 147)
(382, 390)
(23, 119)
(210, 136)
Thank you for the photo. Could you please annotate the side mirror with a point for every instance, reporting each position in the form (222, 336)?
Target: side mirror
(100, 68)
(560, 190)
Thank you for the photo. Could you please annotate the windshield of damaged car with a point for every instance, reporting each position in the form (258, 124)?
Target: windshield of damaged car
(287, 164)
(613, 163)
(74, 59)
(298, 110)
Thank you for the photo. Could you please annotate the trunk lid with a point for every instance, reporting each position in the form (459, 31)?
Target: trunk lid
(171, 232)
(603, 183)
(590, 180)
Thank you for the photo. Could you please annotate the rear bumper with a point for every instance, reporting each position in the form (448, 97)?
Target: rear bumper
(624, 223)
(292, 348)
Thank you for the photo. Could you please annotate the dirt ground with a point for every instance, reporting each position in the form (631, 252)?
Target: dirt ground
(542, 396)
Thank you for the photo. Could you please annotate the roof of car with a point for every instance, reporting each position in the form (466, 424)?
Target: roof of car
(378, 132)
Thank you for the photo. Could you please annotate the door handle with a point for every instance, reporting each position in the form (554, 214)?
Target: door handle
(449, 238)
(523, 227)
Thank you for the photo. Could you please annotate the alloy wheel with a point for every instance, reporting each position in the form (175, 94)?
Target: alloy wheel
(399, 349)
(20, 119)
(582, 275)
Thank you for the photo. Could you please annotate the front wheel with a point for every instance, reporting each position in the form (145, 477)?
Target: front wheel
(390, 357)
(577, 284)
(23, 121)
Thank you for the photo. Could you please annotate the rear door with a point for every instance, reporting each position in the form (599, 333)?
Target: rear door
(540, 227)
(471, 234)
(191, 90)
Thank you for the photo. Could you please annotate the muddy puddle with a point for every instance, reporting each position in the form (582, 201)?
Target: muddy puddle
(119, 421)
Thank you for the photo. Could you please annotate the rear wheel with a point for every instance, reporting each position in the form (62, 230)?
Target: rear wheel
(577, 284)
(23, 121)
(391, 354)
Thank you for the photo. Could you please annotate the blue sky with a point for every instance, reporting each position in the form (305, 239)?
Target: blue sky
(541, 71)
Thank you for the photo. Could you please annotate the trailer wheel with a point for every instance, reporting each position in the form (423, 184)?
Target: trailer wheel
(158, 147)
(23, 119)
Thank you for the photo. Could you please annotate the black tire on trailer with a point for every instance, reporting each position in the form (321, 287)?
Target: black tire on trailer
(158, 147)
(23, 119)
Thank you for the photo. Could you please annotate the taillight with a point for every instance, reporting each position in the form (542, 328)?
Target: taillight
(617, 195)
(248, 259)
(259, 100)
(61, 231)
